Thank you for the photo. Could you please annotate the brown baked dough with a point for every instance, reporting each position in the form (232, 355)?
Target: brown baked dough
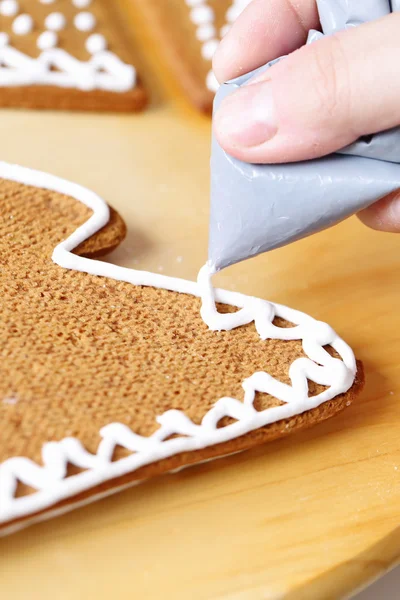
(170, 24)
(108, 22)
(79, 352)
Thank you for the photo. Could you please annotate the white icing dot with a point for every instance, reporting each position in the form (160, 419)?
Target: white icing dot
(209, 48)
(84, 21)
(202, 14)
(81, 3)
(55, 21)
(224, 30)
(47, 40)
(235, 10)
(96, 43)
(212, 82)
(4, 39)
(47, 1)
(205, 32)
(232, 14)
(22, 24)
(194, 2)
(9, 8)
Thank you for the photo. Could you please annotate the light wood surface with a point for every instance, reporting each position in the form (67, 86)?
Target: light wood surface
(315, 516)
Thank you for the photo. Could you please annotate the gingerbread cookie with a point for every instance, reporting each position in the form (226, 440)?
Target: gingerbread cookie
(110, 375)
(190, 31)
(66, 54)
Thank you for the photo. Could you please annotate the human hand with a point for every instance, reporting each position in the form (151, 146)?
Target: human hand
(319, 99)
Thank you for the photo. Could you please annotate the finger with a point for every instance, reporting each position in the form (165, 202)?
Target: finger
(384, 215)
(265, 30)
(317, 100)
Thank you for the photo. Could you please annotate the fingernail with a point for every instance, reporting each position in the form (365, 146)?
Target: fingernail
(247, 117)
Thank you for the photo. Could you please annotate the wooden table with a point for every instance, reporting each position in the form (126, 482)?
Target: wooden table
(314, 516)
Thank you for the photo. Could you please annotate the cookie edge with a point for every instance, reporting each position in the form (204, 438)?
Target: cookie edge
(177, 462)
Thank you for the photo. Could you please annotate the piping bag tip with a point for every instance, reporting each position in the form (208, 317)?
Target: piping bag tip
(211, 267)
(256, 208)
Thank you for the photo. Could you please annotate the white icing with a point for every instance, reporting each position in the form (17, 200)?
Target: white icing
(205, 32)
(4, 39)
(9, 8)
(96, 43)
(55, 66)
(85, 21)
(81, 3)
(55, 21)
(203, 16)
(50, 480)
(22, 25)
(47, 40)
(224, 30)
(103, 71)
(212, 82)
(209, 48)
(236, 10)
(47, 1)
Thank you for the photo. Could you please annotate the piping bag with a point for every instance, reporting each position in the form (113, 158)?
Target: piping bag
(256, 208)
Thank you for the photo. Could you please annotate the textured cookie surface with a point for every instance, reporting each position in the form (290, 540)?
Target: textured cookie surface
(79, 352)
(67, 54)
(190, 31)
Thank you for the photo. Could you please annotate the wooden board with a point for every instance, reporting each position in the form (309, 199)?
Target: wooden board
(315, 516)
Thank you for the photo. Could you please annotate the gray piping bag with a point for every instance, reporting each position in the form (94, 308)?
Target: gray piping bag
(256, 208)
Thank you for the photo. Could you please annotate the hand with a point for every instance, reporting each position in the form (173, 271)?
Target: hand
(319, 99)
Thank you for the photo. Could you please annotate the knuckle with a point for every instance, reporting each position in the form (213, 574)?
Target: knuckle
(330, 77)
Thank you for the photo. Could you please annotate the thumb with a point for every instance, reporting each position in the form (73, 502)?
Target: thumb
(318, 99)
(384, 215)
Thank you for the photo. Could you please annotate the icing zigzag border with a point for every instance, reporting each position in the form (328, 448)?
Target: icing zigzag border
(103, 71)
(50, 480)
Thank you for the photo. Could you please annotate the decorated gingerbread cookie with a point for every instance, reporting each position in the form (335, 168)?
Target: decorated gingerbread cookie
(110, 375)
(190, 31)
(67, 54)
